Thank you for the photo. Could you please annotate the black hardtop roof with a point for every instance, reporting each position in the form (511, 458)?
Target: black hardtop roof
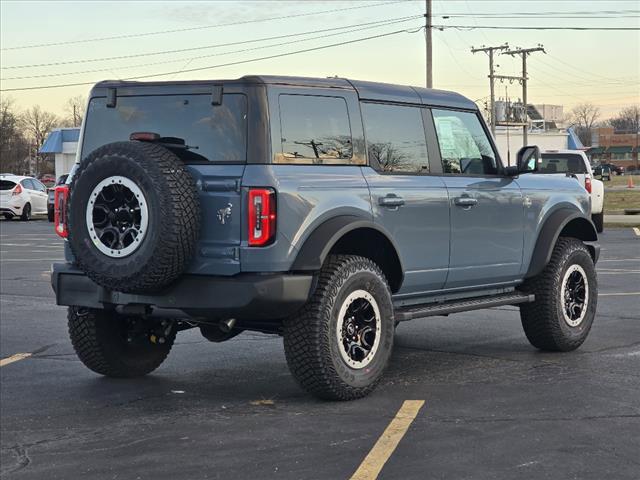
(374, 91)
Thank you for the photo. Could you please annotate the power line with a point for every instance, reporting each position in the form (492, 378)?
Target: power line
(128, 67)
(496, 27)
(205, 47)
(239, 62)
(191, 29)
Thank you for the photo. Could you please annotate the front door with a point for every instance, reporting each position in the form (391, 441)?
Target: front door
(487, 211)
(409, 202)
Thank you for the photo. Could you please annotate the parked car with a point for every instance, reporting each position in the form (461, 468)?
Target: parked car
(576, 164)
(51, 197)
(322, 210)
(48, 180)
(614, 169)
(22, 197)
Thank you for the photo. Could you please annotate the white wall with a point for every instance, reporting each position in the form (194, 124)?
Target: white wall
(546, 141)
(64, 162)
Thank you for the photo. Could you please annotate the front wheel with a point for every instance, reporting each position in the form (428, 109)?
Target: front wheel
(117, 345)
(566, 294)
(338, 346)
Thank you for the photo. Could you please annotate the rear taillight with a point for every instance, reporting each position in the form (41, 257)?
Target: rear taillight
(17, 190)
(61, 195)
(262, 216)
(587, 184)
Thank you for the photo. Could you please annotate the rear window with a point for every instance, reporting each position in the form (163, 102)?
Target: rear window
(7, 184)
(561, 163)
(215, 133)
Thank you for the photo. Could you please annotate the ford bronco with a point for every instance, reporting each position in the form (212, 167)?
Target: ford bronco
(322, 210)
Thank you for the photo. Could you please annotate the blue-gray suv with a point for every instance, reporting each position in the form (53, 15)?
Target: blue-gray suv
(323, 210)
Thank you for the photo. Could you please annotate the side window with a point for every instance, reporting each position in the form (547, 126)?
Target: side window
(395, 138)
(315, 130)
(37, 185)
(28, 184)
(464, 146)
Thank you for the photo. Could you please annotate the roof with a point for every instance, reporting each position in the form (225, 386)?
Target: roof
(623, 149)
(595, 150)
(12, 177)
(55, 139)
(366, 90)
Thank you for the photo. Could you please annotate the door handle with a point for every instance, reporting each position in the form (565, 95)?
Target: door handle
(392, 201)
(465, 201)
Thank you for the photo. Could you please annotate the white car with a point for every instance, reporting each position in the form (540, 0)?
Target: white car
(576, 163)
(22, 197)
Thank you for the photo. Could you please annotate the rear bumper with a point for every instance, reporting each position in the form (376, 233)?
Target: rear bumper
(243, 296)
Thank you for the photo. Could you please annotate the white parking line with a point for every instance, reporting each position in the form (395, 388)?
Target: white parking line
(14, 358)
(637, 231)
(623, 294)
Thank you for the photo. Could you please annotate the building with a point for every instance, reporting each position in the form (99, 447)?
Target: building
(617, 148)
(63, 143)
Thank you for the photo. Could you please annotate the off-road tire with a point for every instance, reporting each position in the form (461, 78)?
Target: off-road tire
(99, 339)
(598, 221)
(26, 213)
(173, 210)
(542, 319)
(310, 342)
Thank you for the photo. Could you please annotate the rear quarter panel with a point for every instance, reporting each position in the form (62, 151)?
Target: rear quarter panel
(546, 194)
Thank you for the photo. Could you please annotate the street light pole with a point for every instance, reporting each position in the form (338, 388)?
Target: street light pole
(428, 26)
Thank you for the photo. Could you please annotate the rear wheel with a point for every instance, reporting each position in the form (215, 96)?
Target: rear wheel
(50, 214)
(117, 345)
(339, 344)
(26, 213)
(598, 221)
(566, 293)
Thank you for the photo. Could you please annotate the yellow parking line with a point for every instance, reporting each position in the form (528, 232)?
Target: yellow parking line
(372, 465)
(14, 358)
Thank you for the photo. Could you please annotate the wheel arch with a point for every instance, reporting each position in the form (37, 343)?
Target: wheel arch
(350, 234)
(564, 222)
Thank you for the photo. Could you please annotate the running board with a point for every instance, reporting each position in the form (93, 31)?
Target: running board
(455, 306)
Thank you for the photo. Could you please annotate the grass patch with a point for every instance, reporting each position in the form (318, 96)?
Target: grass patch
(621, 225)
(617, 201)
(621, 181)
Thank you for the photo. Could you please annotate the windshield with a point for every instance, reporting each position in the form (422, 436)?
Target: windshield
(217, 133)
(562, 163)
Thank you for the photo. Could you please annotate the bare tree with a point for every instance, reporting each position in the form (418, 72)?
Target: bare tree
(627, 121)
(37, 124)
(74, 111)
(584, 117)
(14, 148)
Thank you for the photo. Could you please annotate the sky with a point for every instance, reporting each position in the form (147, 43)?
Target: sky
(601, 67)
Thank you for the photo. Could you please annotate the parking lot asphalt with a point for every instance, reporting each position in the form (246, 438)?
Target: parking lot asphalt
(494, 407)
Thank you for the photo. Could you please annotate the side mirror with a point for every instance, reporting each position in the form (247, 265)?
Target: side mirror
(527, 159)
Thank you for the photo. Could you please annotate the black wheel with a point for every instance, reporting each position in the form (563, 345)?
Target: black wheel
(7, 216)
(119, 346)
(338, 346)
(26, 213)
(566, 297)
(50, 214)
(133, 217)
(598, 221)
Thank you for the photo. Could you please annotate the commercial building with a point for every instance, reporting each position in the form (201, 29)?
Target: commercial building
(617, 148)
(63, 143)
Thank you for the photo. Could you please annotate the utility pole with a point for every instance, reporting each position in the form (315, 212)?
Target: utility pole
(489, 51)
(524, 52)
(428, 27)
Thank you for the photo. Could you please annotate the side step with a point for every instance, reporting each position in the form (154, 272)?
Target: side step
(455, 306)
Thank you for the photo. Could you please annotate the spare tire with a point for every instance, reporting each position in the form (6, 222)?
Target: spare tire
(133, 216)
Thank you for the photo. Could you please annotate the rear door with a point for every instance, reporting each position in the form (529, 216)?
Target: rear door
(407, 200)
(212, 122)
(486, 208)
(39, 196)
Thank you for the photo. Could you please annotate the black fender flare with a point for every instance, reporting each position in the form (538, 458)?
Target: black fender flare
(551, 230)
(317, 246)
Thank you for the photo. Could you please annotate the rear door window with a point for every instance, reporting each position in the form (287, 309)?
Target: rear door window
(214, 133)
(395, 138)
(314, 130)
(561, 163)
(464, 146)
(28, 184)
